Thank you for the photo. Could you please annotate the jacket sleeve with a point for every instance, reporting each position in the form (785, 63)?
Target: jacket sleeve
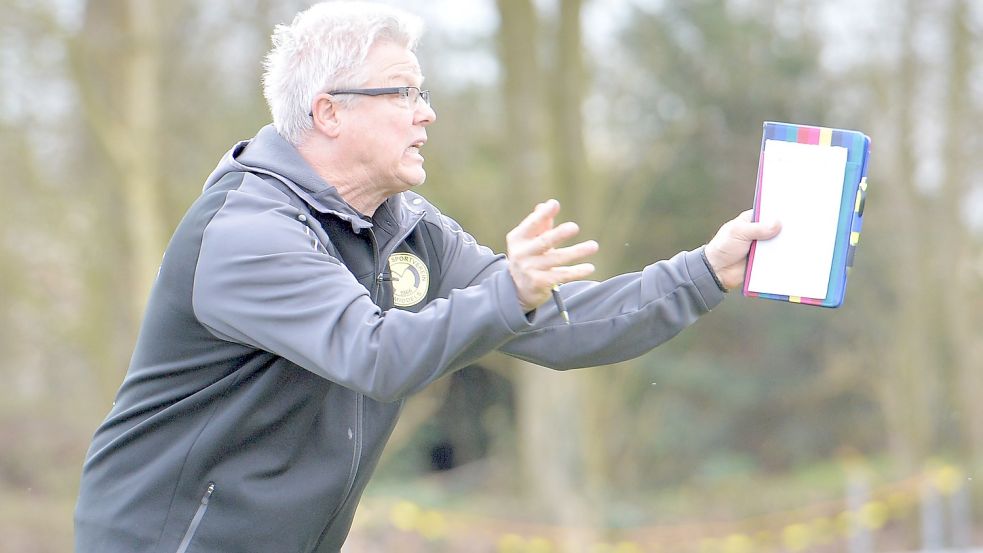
(260, 281)
(620, 318)
(614, 320)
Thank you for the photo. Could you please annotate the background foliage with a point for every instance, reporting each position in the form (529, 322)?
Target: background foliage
(643, 118)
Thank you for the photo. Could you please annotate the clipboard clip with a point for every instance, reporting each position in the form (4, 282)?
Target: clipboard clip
(861, 197)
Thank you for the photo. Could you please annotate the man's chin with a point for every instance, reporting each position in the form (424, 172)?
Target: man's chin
(414, 180)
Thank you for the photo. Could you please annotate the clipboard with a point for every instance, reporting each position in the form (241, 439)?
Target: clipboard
(813, 180)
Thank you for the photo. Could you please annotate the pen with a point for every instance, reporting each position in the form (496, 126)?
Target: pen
(559, 303)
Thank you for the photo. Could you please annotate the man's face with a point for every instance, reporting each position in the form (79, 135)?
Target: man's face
(384, 134)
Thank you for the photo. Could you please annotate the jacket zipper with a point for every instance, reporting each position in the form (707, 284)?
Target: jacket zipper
(393, 244)
(357, 450)
(359, 398)
(377, 264)
(356, 454)
(196, 520)
(399, 238)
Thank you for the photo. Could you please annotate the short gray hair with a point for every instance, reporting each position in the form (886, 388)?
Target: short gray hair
(325, 48)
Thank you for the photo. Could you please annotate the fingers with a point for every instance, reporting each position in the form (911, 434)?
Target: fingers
(540, 219)
(562, 258)
(535, 240)
(546, 241)
(728, 250)
(560, 275)
(537, 263)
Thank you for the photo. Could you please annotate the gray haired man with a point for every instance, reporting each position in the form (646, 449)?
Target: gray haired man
(308, 291)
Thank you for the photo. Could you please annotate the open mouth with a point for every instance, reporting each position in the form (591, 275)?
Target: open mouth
(415, 147)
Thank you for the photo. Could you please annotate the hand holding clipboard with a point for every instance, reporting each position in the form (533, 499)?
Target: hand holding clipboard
(814, 180)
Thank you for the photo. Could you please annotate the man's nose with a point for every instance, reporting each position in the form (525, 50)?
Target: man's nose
(424, 113)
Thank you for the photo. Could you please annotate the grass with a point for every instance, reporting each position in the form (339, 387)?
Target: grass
(808, 504)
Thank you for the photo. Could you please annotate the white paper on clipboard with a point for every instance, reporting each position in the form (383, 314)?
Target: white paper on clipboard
(801, 186)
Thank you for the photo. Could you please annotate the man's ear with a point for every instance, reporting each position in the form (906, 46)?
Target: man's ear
(326, 115)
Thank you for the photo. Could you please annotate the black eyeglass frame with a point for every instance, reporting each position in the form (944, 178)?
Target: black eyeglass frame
(403, 91)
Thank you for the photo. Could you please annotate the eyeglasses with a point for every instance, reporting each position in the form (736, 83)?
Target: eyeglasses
(410, 94)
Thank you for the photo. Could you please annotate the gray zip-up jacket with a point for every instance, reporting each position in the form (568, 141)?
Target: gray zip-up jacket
(282, 334)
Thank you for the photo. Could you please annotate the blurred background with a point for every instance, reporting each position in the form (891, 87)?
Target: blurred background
(764, 427)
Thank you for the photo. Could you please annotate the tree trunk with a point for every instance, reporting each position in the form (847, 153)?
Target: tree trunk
(126, 121)
(550, 414)
(140, 160)
(908, 382)
(957, 277)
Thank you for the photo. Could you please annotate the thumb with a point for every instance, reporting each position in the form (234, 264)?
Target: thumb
(762, 230)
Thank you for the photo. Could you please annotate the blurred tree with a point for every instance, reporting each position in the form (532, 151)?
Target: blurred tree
(690, 93)
(695, 81)
(118, 75)
(551, 429)
(103, 144)
(111, 115)
(908, 379)
(699, 79)
(960, 249)
(917, 333)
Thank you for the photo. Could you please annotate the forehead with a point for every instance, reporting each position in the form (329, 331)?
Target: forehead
(387, 60)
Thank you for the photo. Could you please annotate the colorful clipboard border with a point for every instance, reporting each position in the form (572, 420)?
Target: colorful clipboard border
(852, 203)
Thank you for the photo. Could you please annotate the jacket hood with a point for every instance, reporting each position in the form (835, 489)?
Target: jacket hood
(268, 153)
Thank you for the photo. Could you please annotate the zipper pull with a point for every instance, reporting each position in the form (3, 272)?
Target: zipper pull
(208, 493)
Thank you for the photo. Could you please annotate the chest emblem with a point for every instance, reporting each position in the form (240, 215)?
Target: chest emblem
(411, 279)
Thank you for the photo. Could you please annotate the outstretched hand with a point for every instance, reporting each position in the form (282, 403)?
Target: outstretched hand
(728, 250)
(535, 261)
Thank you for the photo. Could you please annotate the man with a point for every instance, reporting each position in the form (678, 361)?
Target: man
(307, 292)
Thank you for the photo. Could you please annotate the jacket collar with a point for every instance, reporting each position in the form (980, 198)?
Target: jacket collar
(268, 153)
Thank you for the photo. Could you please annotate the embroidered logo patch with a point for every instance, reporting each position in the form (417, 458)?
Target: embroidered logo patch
(411, 279)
